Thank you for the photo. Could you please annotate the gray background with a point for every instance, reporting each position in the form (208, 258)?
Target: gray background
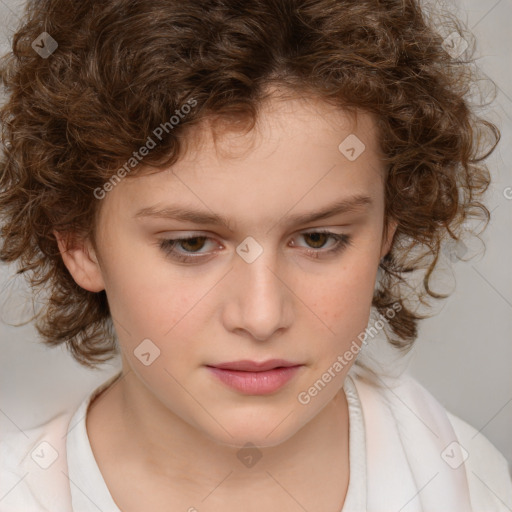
(463, 355)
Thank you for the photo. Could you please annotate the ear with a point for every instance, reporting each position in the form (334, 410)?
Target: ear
(81, 261)
(387, 239)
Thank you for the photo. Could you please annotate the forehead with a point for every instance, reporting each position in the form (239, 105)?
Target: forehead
(281, 122)
(295, 127)
(300, 149)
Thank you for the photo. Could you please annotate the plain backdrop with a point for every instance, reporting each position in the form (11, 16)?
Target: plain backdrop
(463, 355)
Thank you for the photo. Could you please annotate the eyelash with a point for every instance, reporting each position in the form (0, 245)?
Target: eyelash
(168, 246)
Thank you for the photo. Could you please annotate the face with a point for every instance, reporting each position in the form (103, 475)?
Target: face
(272, 279)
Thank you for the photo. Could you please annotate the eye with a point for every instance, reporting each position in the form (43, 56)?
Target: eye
(191, 245)
(318, 239)
(189, 249)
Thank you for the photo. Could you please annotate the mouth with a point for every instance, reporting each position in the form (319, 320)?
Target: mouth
(254, 366)
(255, 378)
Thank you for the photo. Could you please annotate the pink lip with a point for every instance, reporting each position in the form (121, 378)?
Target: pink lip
(254, 366)
(255, 378)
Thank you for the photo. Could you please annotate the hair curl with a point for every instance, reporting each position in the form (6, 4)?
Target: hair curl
(122, 65)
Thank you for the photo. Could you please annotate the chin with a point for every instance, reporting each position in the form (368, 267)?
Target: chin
(263, 435)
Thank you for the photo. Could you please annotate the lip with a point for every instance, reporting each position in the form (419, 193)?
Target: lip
(254, 366)
(253, 378)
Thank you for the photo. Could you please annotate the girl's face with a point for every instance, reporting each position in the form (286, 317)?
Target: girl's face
(265, 282)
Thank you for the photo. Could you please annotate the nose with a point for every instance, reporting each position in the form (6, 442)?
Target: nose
(259, 302)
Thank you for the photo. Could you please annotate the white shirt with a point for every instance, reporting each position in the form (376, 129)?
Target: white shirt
(52, 468)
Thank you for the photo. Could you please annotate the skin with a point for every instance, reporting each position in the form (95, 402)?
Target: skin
(166, 436)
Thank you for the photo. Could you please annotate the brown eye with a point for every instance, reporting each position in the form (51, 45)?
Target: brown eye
(191, 249)
(188, 249)
(192, 244)
(317, 243)
(318, 239)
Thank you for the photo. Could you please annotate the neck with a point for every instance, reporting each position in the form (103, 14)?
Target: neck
(165, 448)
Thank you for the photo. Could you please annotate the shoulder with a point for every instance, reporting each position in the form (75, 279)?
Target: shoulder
(33, 467)
(34, 462)
(487, 469)
(457, 445)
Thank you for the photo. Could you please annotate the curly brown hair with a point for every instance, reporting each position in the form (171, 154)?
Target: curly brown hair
(74, 116)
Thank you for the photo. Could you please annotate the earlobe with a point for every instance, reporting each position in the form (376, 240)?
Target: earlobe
(80, 259)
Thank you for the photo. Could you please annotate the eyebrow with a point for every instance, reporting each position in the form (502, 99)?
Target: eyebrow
(347, 205)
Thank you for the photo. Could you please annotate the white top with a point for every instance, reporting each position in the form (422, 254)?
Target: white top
(52, 465)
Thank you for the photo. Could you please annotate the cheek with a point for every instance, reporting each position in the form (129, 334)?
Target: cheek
(145, 299)
(154, 310)
(343, 301)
